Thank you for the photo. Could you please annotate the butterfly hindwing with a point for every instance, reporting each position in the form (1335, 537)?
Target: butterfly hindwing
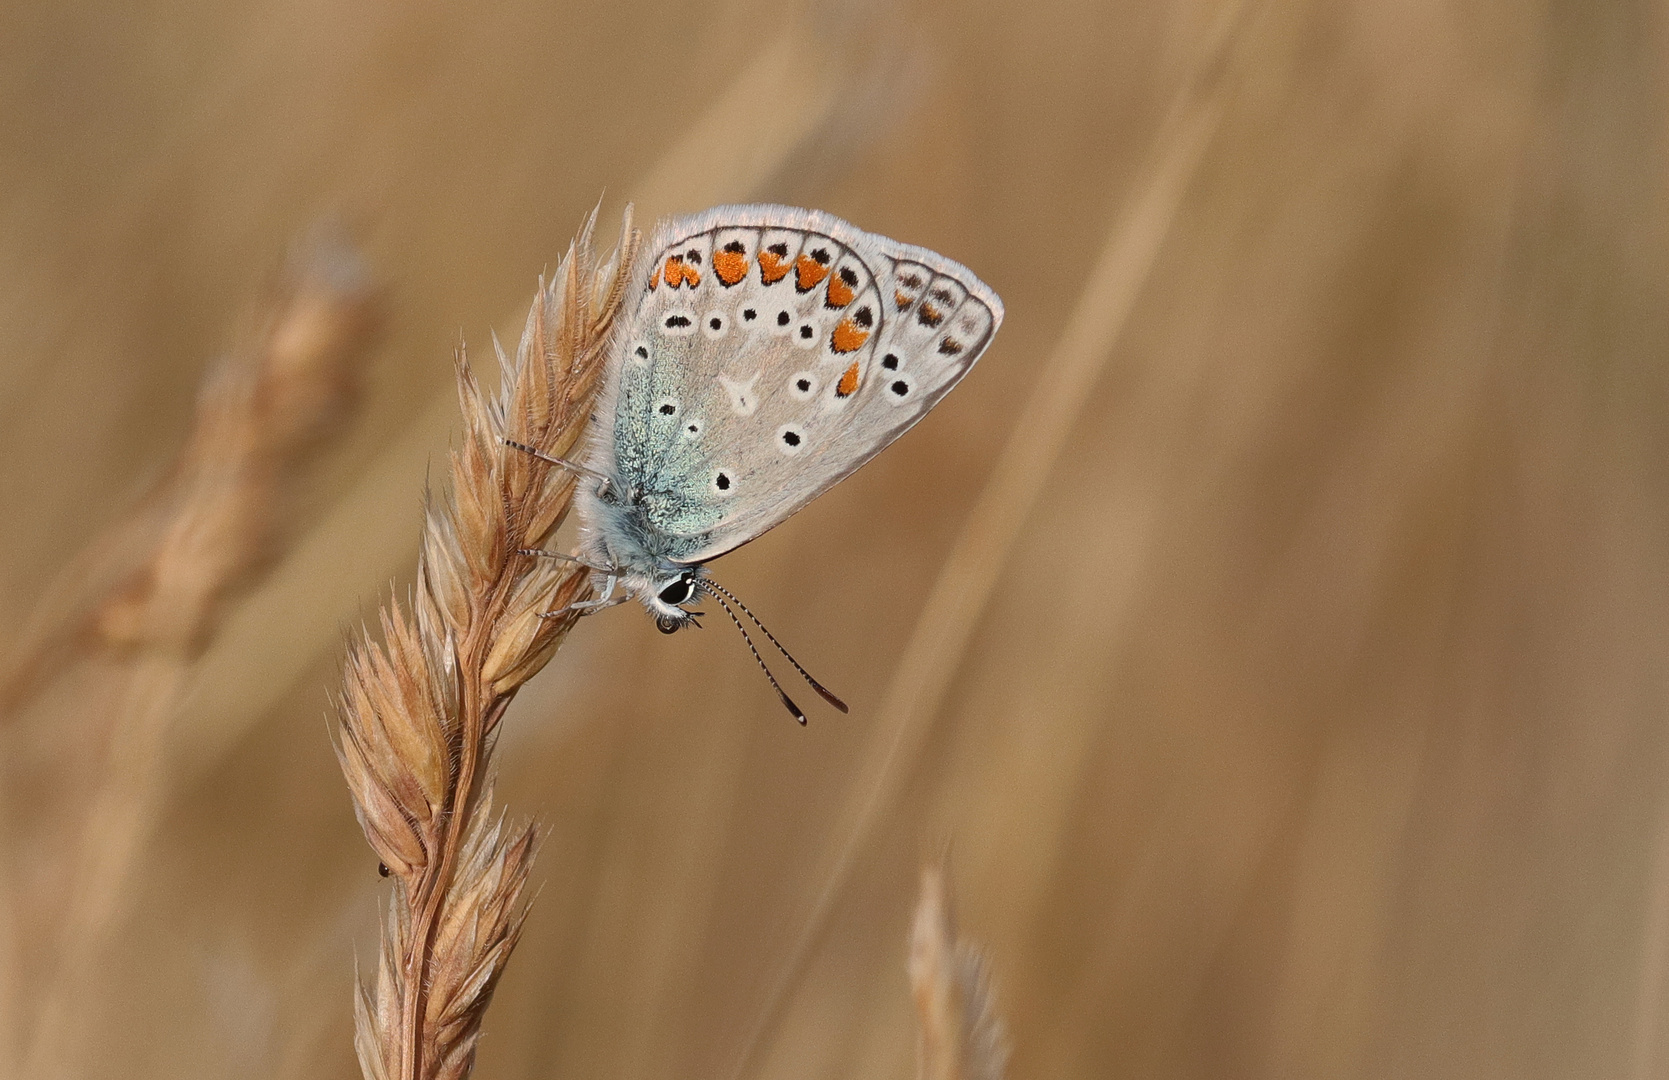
(771, 353)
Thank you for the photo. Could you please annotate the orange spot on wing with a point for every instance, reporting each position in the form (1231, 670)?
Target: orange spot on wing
(655, 278)
(771, 267)
(809, 271)
(903, 300)
(848, 384)
(678, 272)
(849, 337)
(929, 315)
(840, 293)
(730, 266)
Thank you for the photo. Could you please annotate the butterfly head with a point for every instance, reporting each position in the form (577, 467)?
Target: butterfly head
(667, 595)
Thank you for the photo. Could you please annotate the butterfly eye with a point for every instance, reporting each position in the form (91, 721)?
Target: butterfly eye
(677, 592)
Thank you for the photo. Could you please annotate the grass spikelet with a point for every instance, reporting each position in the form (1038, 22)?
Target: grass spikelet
(961, 1035)
(258, 418)
(420, 708)
(151, 593)
(160, 580)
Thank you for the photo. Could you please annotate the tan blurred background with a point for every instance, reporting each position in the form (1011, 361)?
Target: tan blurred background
(1272, 625)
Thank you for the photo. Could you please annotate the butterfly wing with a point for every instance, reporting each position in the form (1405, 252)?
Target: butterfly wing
(772, 352)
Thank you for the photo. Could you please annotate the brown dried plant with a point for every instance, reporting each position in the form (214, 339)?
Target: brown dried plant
(160, 580)
(150, 594)
(961, 1035)
(420, 710)
(254, 422)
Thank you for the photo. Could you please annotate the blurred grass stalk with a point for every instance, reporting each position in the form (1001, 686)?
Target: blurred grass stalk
(163, 580)
(420, 712)
(960, 1034)
(165, 576)
(978, 559)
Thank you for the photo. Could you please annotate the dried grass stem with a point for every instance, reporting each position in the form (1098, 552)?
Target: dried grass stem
(420, 709)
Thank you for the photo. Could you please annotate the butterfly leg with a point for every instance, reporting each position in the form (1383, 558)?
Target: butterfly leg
(604, 486)
(586, 607)
(564, 557)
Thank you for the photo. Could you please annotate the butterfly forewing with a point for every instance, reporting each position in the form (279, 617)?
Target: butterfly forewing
(774, 351)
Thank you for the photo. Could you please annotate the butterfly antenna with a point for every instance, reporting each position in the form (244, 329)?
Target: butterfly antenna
(786, 700)
(822, 691)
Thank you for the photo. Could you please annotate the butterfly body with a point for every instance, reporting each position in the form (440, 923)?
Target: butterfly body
(767, 352)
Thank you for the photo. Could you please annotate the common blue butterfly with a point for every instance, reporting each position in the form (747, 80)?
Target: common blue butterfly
(766, 354)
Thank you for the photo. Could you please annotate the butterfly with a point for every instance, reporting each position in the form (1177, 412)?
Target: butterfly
(767, 353)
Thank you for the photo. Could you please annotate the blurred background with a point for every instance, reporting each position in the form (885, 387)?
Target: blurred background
(1272, 626)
